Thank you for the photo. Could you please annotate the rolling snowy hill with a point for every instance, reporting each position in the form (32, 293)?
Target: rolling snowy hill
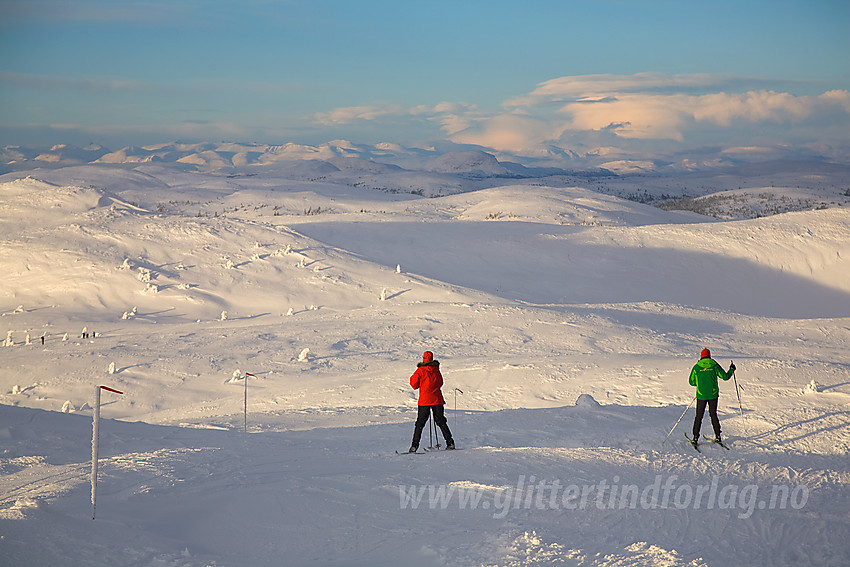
(566, 319)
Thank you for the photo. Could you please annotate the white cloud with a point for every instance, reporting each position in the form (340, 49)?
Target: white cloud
(652, 106)
(453, 123)
(596, 85)
(598, 117)
(658, 116)
(635, 114)
(452, 114)
(349, 114)
(514, 133)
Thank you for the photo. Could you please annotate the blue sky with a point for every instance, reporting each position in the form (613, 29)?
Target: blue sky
(629, 77)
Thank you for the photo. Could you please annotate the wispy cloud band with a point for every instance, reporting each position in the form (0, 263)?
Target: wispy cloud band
(77, 83)
(565, 111)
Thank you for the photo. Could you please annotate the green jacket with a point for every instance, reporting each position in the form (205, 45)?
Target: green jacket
(704, 376)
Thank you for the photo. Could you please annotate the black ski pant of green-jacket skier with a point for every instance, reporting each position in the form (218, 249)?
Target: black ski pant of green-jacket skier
(712, 413)
(439, 419)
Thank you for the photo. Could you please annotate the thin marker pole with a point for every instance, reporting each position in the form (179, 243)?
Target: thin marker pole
(95, 441)
(245, 402)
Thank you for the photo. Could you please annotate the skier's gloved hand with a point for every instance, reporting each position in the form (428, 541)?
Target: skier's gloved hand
(732, 367)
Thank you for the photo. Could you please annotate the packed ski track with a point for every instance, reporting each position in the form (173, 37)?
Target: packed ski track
(566, 321)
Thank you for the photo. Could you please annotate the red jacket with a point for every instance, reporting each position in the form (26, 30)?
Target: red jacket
(428, 380)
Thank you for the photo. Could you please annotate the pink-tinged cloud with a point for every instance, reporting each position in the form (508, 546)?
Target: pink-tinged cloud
(648, 106)
(568, 112)
(669, 116)
(515, 133)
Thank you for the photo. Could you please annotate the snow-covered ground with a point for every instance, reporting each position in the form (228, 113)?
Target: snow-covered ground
(568, 317)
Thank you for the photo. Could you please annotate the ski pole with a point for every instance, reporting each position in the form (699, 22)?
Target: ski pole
(741, 407)
(436, 433)
(678, 420)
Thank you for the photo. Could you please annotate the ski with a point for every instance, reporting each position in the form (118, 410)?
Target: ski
(721, 443)
(427, 450)
(694, 443)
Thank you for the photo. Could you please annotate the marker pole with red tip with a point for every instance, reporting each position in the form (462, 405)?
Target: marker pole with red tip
(95, 441)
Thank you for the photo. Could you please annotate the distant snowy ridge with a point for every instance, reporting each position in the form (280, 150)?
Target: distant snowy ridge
(220, 155)
(480, 164)
(442, 157)
(742, 192)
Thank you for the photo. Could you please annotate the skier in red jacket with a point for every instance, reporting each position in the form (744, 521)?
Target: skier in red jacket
(428, 380)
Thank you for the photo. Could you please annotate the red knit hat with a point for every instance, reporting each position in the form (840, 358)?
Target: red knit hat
(705, 353)
(427, 356)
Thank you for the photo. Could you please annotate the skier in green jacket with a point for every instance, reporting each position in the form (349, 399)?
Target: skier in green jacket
(704, 376)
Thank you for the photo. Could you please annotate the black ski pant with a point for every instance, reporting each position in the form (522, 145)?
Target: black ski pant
(439, 419)
(712, 413)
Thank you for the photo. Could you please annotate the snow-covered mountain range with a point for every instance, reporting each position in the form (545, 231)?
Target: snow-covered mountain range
(217, 156)
(440, 157)
(731, 189)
